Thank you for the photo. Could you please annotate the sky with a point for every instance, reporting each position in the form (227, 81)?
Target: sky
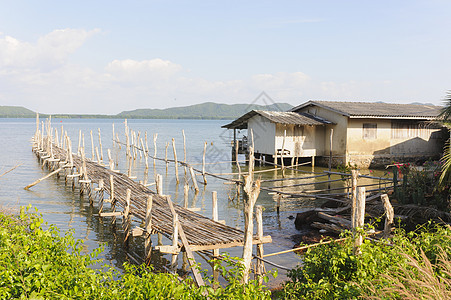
(109, 56)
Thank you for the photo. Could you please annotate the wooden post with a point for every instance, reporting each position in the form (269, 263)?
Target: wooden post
(185, 195)
(260, 253)
(126, 220)
(113, 200)
(79, 142)
(193, 178)
(110, 160)
(203, 164)
(175, 162)
(359, 219)
(114, 136)
(330, 154)
(92, 147)
(148, 227)
(155, 136)
(100, 196)
(166, 157)
(184, 153)
(100, 145)
(175, 238)
(189, 253)
(389, 215)
(252, 193)
(282, 154)
(354, 176)
(214, 206)
(159, 184)
(98, 156)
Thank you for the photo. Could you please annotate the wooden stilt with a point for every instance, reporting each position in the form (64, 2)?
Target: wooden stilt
(185, 195)
(100, 195)
(193, 178)
(148, 227)
(203, 164)
(159, 184)
(359, 218)
(260, 253)
(155, 136)
(175, 238)
(252, 191)
(126, 220)
(389, 215)
(92, 147)
(175, 162)
(214, 206)
(283, 153)
(184, 154)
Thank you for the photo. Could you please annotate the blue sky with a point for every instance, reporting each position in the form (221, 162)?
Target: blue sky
(110, 56)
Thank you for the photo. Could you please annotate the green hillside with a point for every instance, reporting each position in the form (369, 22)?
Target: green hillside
(208, 110)
(16, 112)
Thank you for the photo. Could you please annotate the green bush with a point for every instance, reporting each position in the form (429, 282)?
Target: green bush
(39, 263)
(332, 271)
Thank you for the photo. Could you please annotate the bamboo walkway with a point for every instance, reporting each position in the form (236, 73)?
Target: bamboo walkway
(201, 232)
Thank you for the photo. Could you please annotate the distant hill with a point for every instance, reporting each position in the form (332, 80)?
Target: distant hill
(16, 112)
(208, 110)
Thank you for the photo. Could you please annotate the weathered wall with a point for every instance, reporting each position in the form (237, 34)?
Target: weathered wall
(264, 132)
(300, 141)
(408, 142)
(339, 140)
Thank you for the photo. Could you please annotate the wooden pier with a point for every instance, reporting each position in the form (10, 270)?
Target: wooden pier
(135, 202)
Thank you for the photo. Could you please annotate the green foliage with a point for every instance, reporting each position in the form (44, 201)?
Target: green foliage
(39, 263)
(421, 186)
(333, 272)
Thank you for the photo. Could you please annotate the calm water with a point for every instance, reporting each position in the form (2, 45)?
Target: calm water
(59, 205)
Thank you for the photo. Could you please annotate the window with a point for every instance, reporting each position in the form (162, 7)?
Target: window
(369, 131)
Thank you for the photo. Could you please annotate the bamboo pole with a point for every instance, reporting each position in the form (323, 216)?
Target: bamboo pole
(79, 142)
(166, 157)
(43, 178)
(175, 238)
(203, 164)
(159, 184)
(260, 252)
(184, 154)
(126, 220)
(282, 154)
(214, 207)
(110, 160)
(155, 136)
(193, 178)
(148, 227)
(100, 195)
(92, 147)
(185, 195)
(175, 162)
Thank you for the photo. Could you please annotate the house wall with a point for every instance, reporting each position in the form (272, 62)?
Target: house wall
(264, 132)
(395, 140)
(300, 141)
(339, 140)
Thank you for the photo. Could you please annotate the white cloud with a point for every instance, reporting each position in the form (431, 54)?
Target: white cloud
(40, 76)
(48, 52)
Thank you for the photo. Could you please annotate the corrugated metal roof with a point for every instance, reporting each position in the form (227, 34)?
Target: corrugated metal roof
(377, 109)
(278, 117)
